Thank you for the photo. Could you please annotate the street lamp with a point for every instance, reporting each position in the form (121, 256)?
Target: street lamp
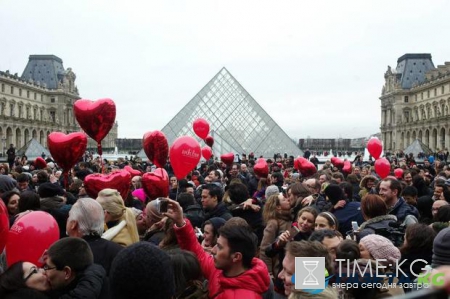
(3, 145)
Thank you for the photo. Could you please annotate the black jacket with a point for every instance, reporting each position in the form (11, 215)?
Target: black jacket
(220, 211)
(91, 283)
(104, 251)
(370, 226)
(403, 209)
(195, 214)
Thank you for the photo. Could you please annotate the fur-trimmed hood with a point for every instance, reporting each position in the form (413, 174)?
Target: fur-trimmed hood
(378, 219)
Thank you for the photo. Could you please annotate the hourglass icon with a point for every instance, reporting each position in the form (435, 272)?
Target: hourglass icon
(310, 279)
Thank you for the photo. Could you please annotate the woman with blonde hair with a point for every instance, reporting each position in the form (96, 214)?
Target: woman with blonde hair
(120, 220)
(277, 218)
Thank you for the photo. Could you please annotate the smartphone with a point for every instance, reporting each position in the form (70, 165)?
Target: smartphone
(355, 226)
(162, 205)
(293, 231)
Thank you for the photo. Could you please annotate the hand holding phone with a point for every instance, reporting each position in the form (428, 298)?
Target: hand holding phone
(162, 205)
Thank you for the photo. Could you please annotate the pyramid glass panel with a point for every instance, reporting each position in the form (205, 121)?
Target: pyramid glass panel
(238, 123)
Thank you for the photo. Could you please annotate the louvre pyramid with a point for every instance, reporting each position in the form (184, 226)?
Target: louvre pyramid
(33, 149)
(238, 123)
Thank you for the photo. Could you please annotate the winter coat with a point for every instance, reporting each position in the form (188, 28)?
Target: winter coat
(274, 228)
(254, 219)
(220, 211)
(370, 226)
(104, 251)
(250, 284)
(322, 205)
(350, 212)
(56, 207)
(91, 283)
(195, 214)
(402, 209)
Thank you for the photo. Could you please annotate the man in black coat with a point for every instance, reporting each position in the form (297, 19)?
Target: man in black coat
(86, 220)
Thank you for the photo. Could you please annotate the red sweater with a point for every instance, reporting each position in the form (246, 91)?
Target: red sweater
(249, 285)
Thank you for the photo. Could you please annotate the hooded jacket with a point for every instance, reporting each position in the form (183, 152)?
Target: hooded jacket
(249, 285)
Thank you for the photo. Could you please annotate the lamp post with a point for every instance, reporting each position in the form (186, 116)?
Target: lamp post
(3, 145)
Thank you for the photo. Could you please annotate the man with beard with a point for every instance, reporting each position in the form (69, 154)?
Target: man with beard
(390, 191)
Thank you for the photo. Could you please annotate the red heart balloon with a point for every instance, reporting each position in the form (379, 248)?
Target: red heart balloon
(156, 184)
(347, 167)
(119, 180)
(40, 163)
(37, 228)
(4, 225)
(228, 159)
(382, 167)
(337, 162)
(374, 147)
(209, 140)
(261, 169)
(201, 128)
(184, 154)
(398, 172)
(95, 118)
(206, 152)
(156, 147)
(67, 150)
(305, 167)
(132, 171)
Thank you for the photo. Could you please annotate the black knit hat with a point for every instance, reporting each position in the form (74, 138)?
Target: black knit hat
(50, 190)
(334, 193)
(142, 270)
(441, 248)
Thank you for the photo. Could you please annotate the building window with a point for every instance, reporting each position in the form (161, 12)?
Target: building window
(3, 87)
(42, 97)
(11, 110)
(415, 97)
(42, 114)
(428, 94)
(28, 94)
(442, 89)
(20, 92)
(12, 89)
(435, 91)
(406, 99)
(52, 100)
(52, 116)
(35, 96)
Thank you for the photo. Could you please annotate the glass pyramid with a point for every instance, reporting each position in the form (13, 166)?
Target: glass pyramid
(238, 123)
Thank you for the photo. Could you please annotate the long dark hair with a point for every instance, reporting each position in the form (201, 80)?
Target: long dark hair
(186, 268)
(419, 239)
(12, 279)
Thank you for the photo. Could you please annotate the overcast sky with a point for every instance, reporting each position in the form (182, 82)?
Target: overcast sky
(315, 66)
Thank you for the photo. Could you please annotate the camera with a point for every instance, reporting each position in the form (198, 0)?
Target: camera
(162, 205)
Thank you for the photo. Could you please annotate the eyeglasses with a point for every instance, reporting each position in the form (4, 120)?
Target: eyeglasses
(47, 267)
(33, 271)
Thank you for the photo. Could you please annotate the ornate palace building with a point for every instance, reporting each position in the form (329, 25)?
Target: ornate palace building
(415, 103)
(40, 102)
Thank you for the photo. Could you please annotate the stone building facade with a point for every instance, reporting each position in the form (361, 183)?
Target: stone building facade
(415, 102)
(40, 102)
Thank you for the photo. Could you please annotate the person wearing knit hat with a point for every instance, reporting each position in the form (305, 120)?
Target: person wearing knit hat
(155, 232)
(7, 183)
(271, 190)
(50, 190)
(142, 270)
(441, 249)
(378, 247)
(140, 194)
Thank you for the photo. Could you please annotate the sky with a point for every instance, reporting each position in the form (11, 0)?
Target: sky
(317, 67)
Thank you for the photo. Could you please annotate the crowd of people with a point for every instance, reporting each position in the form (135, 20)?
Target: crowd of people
(225, 232)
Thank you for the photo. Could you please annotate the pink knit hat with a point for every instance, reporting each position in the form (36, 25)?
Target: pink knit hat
(381, 248)
(140, 194)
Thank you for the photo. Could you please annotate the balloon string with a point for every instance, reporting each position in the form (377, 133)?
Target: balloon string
(100, 152)
(176, 197)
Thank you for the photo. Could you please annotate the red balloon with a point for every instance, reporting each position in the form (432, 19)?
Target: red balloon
(209, 140)
(156, 147)
(184, 154)
(382, 167)
(95, 118)
(206, 152)
(4, 225)
(398, 172)
(261, 168)
(119, 180)
(67, 150)
(132, 171)
(30, 236)
(347, 167)
(40, 163)
(305, 167)
(228, 159)
(337, 162)
(201, 128)
(374, 147)
(156, 184)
